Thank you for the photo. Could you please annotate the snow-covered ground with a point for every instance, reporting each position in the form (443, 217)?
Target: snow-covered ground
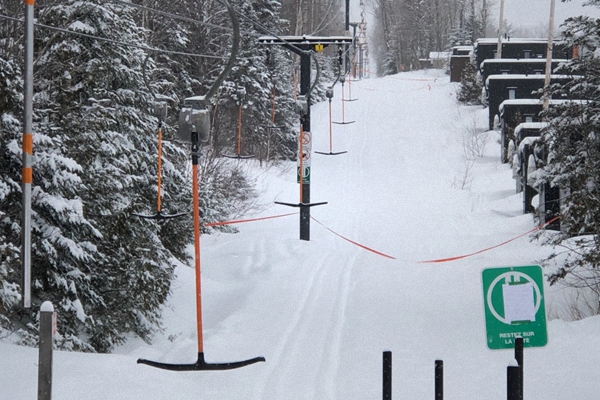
(322, 311)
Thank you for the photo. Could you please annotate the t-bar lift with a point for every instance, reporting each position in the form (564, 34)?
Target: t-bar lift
(304, 46)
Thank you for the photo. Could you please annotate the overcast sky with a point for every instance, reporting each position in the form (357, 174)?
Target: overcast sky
(532, 16)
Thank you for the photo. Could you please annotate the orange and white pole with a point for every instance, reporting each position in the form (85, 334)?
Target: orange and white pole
(273, 107)
(27, 171)
(343, 111)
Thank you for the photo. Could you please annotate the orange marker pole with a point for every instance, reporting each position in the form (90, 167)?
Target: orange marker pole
(239, 140)
(27, 171)
(349, 90)
(343, 113)
(295, 85)
(273, 108)
(196, 205)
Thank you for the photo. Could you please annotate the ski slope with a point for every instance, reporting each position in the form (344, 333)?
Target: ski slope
(322, 311)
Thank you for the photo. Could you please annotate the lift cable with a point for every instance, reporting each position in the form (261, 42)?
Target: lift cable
(187, 19)
(268, 32)
(325, 19)
(179, 17)
(116, 41)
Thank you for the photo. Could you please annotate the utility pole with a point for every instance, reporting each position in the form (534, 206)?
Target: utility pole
(549, 58)
(27, 172)
(500, 31)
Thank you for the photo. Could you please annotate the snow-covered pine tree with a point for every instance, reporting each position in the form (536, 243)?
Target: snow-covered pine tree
(460, 37)
(573, 163)
(257, 72)
(470, 86)
(11, 117)
(282, 143)
(224, 189)
(106, 272)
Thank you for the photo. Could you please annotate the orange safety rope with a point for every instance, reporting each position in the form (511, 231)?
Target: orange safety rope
(241, 221)
(441, 260)
(353, 242)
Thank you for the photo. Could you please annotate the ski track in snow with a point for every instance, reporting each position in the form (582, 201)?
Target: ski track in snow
(312, 339)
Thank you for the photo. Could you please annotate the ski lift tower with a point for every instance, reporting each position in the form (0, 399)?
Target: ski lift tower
(304, 46)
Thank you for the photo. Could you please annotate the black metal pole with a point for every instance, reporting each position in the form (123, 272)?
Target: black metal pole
(304, 88)
(514, 379)
(439, 380)
(387, 375)
(519, 351)
(519, 356)
(45, 352)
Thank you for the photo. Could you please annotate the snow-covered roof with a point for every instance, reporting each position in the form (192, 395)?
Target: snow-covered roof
(532, 102)
(529, 140)
(520, 102)
(437, 55)
(511, 40)
(500, 77)
(195, 98)
(530, 125)
(520, 60)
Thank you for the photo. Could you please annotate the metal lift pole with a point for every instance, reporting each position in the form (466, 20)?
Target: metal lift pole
(305, 192)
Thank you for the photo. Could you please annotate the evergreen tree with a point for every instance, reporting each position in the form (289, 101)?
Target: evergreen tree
(460, 37)
(93, 100)
(259, 72)
(470, 86)
(94, 147)
(573, 162)
(11, 112)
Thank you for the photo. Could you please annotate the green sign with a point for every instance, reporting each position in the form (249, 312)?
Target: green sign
(514, 306)
(305, 174)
